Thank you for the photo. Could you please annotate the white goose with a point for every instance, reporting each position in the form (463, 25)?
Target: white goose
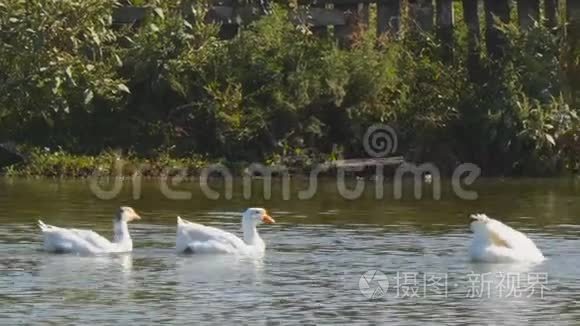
(85, 242)
(495, 242)
(196, 238)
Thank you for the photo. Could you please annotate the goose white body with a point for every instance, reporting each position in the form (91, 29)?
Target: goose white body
(87, 242)
(200, 239)
(495, 242)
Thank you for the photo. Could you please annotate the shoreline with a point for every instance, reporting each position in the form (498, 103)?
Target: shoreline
(61, 165)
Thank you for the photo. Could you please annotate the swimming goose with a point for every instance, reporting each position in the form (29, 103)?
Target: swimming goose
(495, 242)
(61, 240)
(196, 238)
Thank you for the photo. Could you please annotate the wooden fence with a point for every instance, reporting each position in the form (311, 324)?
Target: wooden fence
(427, 15)
(393, 17)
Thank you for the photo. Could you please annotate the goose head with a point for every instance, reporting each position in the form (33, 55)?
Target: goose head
(256, 216)
(126, 214)
(479, 223)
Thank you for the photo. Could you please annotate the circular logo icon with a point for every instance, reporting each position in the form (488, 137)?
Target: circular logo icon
(373, 284)
(380, 140)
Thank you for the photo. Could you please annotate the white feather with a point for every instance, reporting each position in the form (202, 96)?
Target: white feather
(86, 242)
(201, 239)
(496, 242)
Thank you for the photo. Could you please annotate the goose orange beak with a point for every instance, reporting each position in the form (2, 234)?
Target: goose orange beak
(136, 217)
(268, 219)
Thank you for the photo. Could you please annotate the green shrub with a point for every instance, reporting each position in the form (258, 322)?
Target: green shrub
(58, 62)
(169, 88)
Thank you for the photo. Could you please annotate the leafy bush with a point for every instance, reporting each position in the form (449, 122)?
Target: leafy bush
(58, 63)
(169, 87)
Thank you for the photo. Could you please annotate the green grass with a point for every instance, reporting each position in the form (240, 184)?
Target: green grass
(46, 163)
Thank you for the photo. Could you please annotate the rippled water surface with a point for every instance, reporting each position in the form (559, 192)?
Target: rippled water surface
(311, 272)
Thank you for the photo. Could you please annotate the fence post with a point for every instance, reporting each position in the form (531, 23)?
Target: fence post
(364, 13)
(551, 13)
(471, 18)
(573, 14)
(345, 33)
(528, 13)
(495, 39)
(445, 22)
(573, 35)
(573, 18)
(421, 15)
(230, 29)
(319, 30)
(388, 17)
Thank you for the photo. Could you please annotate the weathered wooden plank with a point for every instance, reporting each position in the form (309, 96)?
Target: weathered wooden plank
(388, 17)
(345, 33)
(319, 17)
(471, 18)
(551, 8)
(445, 21)
(573, 10)
(358, 163)
(319, 30)
(421, 14)
(364, 13)
(573, 36)
(495, 39)
(129, 15)
(312, 16)
(233, 15)
(528, 13)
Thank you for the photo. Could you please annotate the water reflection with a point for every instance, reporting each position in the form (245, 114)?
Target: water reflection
(217, 268)
(517, 267)
(80, 278)
(71, 267)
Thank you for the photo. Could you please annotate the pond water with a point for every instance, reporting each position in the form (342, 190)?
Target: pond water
(312, 273)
